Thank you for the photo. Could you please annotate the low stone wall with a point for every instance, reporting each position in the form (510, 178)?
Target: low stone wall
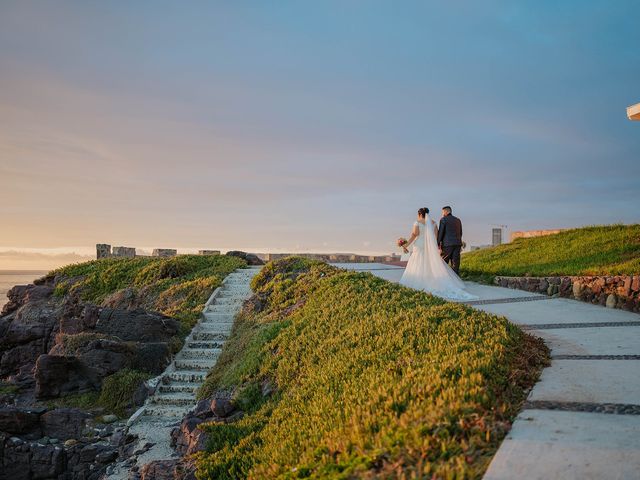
(614, 291)
(333, 257)
(104, 250)
(534, 233)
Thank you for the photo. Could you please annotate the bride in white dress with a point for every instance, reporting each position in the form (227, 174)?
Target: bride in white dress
(425, 268)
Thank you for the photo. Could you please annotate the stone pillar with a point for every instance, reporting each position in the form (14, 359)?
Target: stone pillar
(103, 250)
(164, 252)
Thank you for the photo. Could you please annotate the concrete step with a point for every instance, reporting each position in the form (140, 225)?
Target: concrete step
(233, 293)
(217, 317)
(214, 320)
(235, 300)
(195, 364)
(236, 286)
(228, 309)
(165, 411)
(208, 353)
(187, 375)
(173, 399)
(243, 283)
(214, 327)
(201, 336)
(239, 288)
(204, 344)
(177, 387)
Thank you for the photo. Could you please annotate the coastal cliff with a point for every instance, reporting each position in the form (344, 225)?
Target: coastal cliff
(76, 348)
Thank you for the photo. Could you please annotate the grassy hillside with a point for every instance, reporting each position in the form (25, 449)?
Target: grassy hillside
(344, 375)
(602, 250)
(176, 286)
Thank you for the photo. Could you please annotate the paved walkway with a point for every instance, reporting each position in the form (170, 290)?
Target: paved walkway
(582, 419)
(179, 383)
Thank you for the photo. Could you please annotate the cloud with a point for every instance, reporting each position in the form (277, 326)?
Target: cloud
(282, 126)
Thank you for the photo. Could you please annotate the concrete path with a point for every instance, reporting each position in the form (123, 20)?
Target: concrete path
(177, 386)
(582, 419)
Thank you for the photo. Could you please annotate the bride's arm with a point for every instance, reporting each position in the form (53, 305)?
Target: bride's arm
(414, 234)
(435, 228)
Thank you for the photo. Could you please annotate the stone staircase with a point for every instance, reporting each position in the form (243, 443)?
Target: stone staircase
(176, 388)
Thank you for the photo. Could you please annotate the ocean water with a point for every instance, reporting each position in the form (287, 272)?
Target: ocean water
(9, 278)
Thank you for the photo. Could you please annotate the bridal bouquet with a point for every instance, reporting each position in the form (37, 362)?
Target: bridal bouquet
(402, 243)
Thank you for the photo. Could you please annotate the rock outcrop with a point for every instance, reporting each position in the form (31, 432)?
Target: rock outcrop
(188, 438)
(54, 345)
(63, 443)
(250, 258)
(66, 345)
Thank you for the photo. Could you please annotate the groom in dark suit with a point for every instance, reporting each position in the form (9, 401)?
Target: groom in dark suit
(450, 238)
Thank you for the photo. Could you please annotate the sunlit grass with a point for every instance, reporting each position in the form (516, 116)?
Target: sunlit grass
(600, 250)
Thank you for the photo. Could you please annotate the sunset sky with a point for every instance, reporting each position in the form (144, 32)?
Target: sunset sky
(317, 126)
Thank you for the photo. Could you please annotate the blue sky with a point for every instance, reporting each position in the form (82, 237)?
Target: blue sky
(312, 125)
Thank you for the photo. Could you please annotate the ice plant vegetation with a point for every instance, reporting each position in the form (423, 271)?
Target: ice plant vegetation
(345, 375)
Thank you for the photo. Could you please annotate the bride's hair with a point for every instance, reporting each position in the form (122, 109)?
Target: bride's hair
(423, 211)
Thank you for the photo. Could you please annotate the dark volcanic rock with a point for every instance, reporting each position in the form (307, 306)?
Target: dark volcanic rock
(161, 470)
(28, 461)
(60, 375)
(26, 333)
(47, 461)
(64, 423)
(126, 298)
(151, 357)
(222, 406)
(188, 438)
(31, 460)
(78, 317)
(250, 258)
(18, 421)
(137, 325)
(104, 356)
(21, 294)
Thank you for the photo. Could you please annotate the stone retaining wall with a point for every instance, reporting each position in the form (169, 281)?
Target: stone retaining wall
(534, 233)
(614, 291)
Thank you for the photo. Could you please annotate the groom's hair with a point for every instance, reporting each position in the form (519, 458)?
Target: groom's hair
(447, 209)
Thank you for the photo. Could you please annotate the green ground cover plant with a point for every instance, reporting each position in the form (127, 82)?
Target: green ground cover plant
(597, 250)
(176, 286)
(345, 375)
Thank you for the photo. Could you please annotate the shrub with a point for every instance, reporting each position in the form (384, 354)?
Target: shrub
(119, 389)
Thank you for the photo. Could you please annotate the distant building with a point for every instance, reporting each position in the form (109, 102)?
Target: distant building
(496, 236)
(478, 247)
(633, 112)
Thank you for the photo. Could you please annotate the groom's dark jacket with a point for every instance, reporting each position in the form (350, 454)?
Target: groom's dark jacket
(450, 231)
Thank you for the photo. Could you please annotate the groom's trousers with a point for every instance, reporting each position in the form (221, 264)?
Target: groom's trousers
(451, 255)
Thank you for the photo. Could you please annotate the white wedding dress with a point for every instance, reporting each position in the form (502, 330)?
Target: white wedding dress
(428, 272)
